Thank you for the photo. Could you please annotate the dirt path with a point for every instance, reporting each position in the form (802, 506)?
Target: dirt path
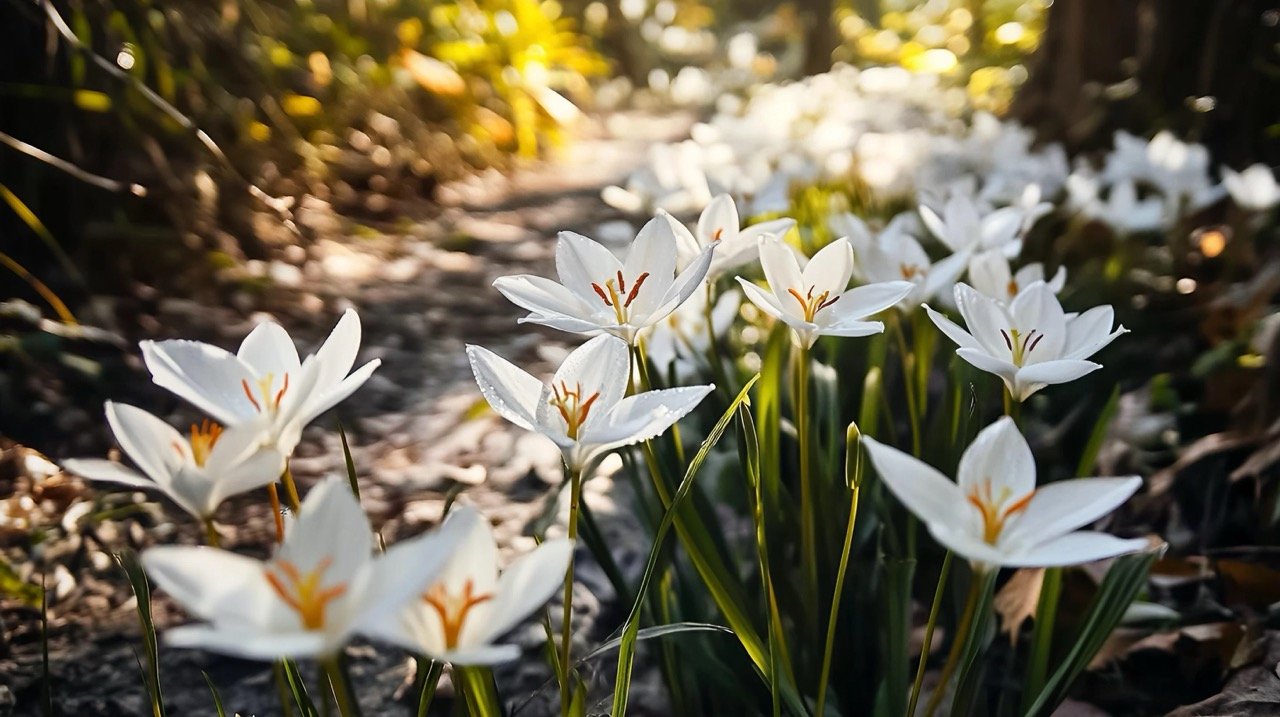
(423, 292)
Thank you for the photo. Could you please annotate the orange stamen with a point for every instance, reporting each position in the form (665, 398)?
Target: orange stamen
(305, 592)
(453, 609)
(636, 289)
(244, 383)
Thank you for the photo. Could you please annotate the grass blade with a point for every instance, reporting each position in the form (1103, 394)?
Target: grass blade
(213, 691)
(351, 464)
(626, 655)
(132, 566)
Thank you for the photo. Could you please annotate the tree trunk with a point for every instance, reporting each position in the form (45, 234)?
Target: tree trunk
(1207, 69)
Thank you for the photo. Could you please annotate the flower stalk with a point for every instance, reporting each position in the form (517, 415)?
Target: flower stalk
(339, 682)
(566, 628)
(808, 535)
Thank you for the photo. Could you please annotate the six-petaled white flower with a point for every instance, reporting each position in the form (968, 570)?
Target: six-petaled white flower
(597, 292)
(990, 273)
(1030, 343)
(263, 385)
(963, 227)
(197, 472)
(994, 515)
(583, 409)
(718, 227)
(322, 586)
(812, 300)
(895, 255)
(470, 605)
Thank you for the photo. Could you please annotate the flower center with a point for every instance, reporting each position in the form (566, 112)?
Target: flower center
(811, 304)
(573, 407)
(265, 398)
(910, 271)
(305, 592)
(997, 509)
(614, 294)
(203, 438)
(718, 233)
(453, 608)
(1021, 345)
(1012, 288)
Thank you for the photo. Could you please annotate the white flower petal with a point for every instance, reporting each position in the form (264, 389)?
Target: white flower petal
(763, 300)
(927, 493)
(953, 331)
(269, 350)
(1055, 372)
(781, 269)
(601, 365)
(207, 376)
(510, 391)
(251, 644)
(337, 354)
(1074, 549)
(543, 296)
(863, 301)
(331, 527)
(829, 269)
(257, 471)
(986, 320)
(528, 584)
(149, 442)
(986, 362)
(1059, 508)
(480, 656)
(108, 471)
(212, 584)
(579, 262)
(998, 458)
(643, 416)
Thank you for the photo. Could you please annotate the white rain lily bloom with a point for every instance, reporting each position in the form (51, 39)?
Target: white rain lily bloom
(681, 340)
(322, 586)
(1122, 210)
(263, 384)
(1254, 189)
(963, 228)
(995, 516)
(597, 292)
(1029, 343)
(812, 299)
(196, 472)
(718, 227)
(470, 605)
(990, 274)
(895, 255)
(583, 409)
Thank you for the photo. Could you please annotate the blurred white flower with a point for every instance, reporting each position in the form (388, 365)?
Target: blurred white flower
(718, 227)
(582, 410)
(263, 385)
(1030, 343)
(995, 516)
(469, 605)
(1254, 189)
(1122, 210)
(812, 300)
(681, 341)
(322, 586)
(196, 472)
(596, 292)
(895, 255)
(990, 274)
(963, 228)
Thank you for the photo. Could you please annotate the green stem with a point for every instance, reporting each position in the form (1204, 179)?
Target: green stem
(978, 581)
(1012, 408)
(854, 459)
(282, 688)
(908, 383)
(1042, 635)
(291, 489)
(938, 592)
(713, 345)
(566, 628)
(347, 706)
(427, 679)
(211, 533)
(808, 535)
(477, 688)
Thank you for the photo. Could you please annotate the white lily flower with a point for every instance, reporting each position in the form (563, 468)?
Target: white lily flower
(995, 516)
(596, 292)
(1122, 210)
(718, 227)
(963, 228)
(469, 605)
(583, 409)
(682, 339)
(991, 275)
(196, 472)
(322, 586)
(812, 299)
(1030, 343)
(1254, 189)
(896, 255)
(263, 384)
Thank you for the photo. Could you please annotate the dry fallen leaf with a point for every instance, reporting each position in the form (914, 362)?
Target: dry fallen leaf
(1016, 602)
